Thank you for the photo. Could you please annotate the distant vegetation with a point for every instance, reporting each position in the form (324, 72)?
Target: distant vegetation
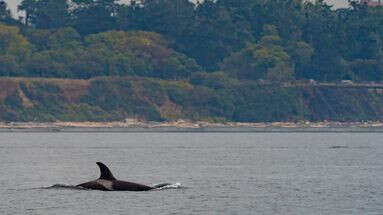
(168, 59)
(211, 97)
(171, 39)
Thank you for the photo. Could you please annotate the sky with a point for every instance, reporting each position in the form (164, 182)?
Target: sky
(13, 4)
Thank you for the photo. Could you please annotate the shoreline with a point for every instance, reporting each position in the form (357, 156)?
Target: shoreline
(133, 125)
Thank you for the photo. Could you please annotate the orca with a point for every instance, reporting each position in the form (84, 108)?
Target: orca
(107, 182)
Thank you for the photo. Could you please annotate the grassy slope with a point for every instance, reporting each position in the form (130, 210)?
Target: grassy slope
(110, 99)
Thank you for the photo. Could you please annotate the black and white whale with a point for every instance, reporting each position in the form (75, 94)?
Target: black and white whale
(107, 182)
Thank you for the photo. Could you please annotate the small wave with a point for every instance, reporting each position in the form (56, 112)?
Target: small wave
(338, 147)
(170, 186)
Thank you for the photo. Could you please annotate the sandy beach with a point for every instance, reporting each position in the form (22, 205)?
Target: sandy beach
(133, 125)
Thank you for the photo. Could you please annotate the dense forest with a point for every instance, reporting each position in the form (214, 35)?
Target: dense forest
(232, 60)
(171, 39)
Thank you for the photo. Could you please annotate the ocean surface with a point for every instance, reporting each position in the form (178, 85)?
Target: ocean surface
(211, 173)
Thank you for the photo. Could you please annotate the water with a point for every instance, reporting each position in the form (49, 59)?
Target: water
(213, 173)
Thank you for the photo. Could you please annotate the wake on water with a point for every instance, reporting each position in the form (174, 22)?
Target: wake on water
(170, 186)
(62, 187)
(73, 187)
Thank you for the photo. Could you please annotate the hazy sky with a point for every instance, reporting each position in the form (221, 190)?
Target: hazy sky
(13, 3)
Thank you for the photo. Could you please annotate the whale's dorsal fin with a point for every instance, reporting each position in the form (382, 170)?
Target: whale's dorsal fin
(105, 172)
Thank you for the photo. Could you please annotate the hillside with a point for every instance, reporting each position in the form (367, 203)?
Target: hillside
(113, 99)
(211, 60)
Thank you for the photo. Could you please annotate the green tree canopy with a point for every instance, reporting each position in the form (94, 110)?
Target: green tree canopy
(258, 59)
(14, 49)
(45, 14)
(94, 16)
(13, 43)
(247, 39)
(140, 53)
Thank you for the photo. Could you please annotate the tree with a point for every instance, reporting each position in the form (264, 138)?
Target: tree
(301, 55)
(139, 53)
(53, 63)
(286, 15)
(167, 17)
(45, 14)
(14, 49)
(281, 72)
(5, 14)
(256, 60)
(29, 7)
(216, 33)
(9, 66)
(64, 38)
(174, 19)
(38, 37)
(130, 17)
(321, 31)
(365, 70)
(94, 16)
(13, 43)
(4, 11)
(60, 54)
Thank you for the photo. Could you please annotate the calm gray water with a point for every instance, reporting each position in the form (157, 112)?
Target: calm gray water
(219, 173)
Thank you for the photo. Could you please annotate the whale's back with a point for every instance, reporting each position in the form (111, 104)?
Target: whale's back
(94, 185)
(129, 186)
